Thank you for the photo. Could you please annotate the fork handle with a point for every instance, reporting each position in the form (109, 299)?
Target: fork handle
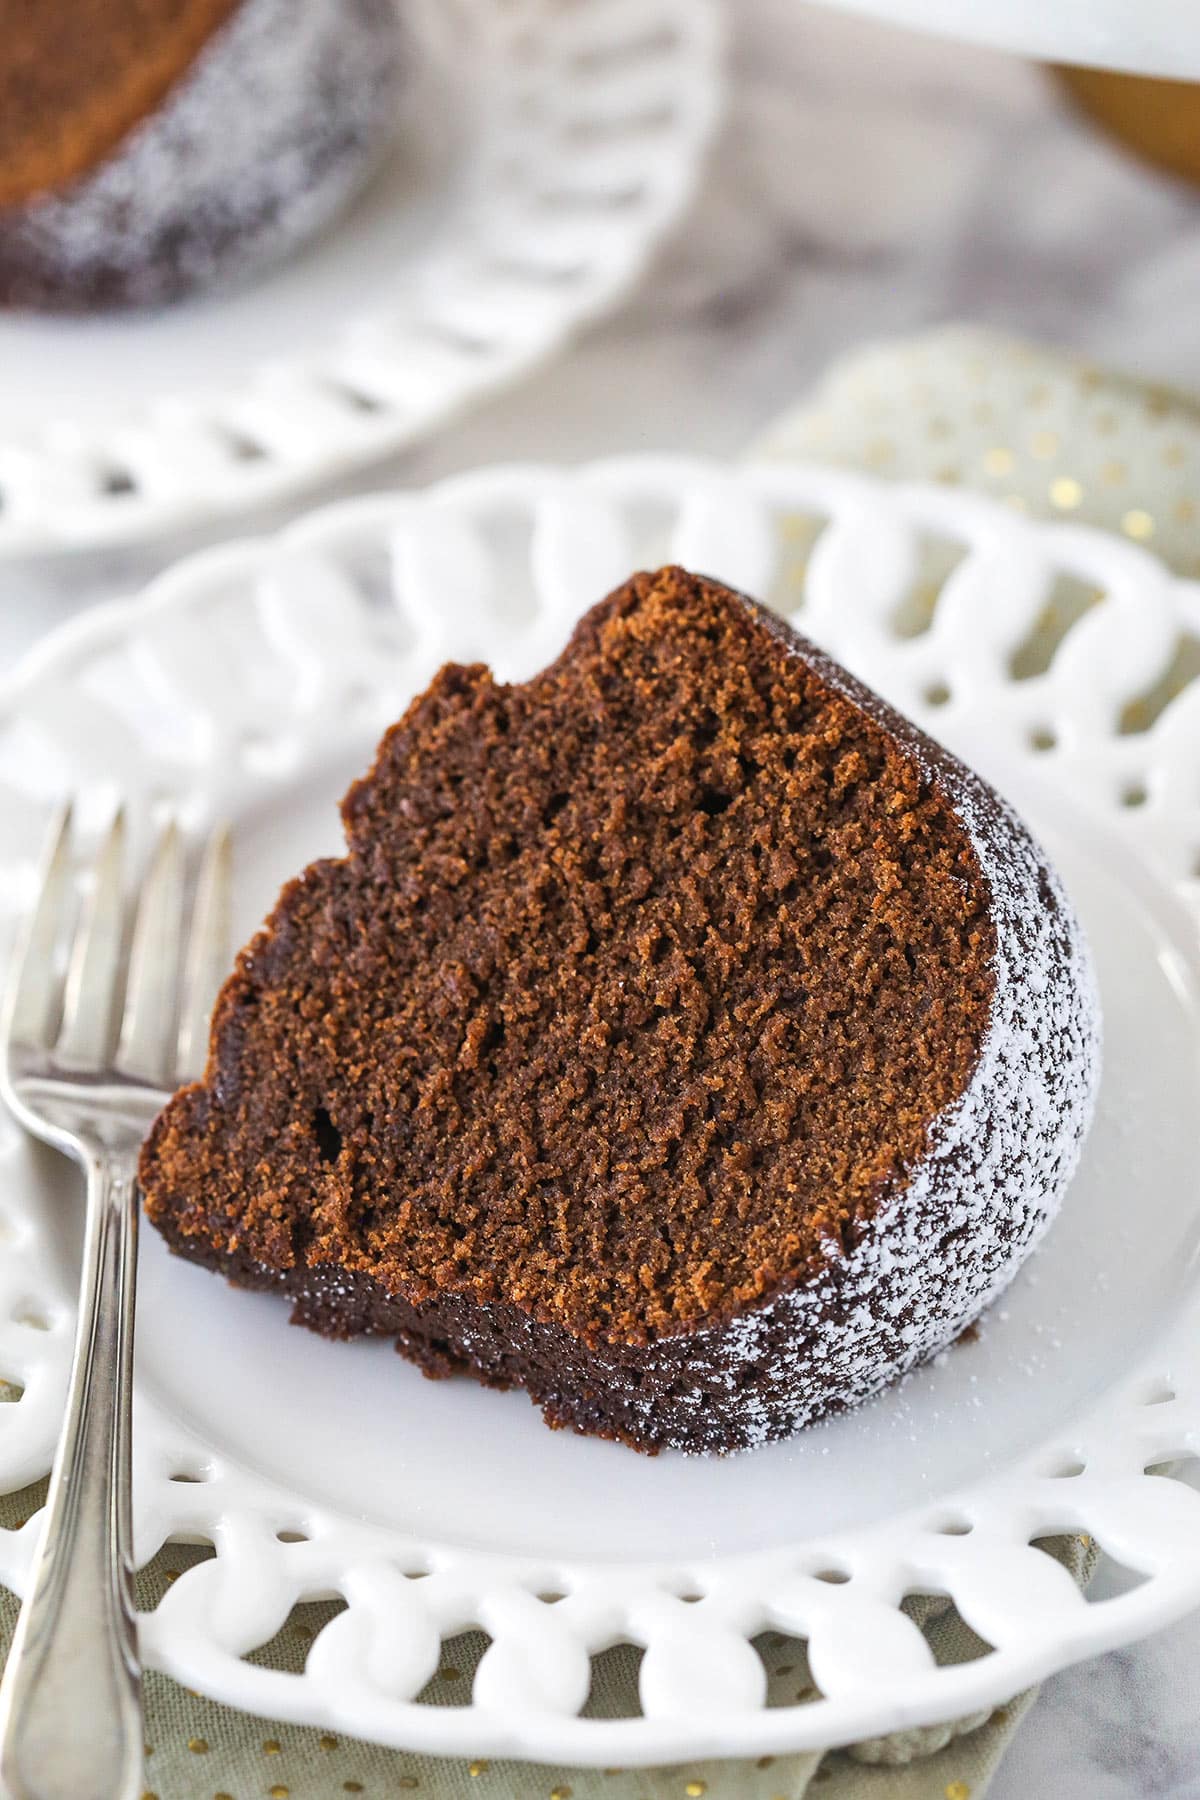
(70, 1706)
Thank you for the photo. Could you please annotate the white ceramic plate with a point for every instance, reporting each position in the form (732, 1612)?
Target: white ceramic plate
(545, 149)
(253, 681)
(1149, 37)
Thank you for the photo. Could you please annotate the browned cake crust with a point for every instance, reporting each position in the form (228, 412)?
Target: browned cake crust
(631, 1009)
(76, 75)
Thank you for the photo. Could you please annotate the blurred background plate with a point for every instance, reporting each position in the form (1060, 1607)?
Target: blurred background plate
(544, 151)
(1147, 37)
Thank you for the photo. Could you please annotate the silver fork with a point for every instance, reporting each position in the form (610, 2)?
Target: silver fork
(86, 1065)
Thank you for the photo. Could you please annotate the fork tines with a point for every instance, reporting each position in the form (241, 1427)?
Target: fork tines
(136, 996)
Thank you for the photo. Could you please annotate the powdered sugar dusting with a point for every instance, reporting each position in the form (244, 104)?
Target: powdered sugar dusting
(277, 122)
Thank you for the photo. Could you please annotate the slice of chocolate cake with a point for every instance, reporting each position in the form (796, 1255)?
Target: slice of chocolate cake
(684, 1038)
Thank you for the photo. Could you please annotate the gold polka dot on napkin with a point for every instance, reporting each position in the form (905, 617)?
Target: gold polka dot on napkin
(1049, 434)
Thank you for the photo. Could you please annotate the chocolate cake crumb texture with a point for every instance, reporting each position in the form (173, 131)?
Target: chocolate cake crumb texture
(684, 1037)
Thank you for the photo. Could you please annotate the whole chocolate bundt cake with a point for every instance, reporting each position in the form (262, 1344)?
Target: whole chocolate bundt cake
(149, 147)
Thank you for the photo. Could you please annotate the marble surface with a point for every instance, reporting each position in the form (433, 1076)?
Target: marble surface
(868, 184)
